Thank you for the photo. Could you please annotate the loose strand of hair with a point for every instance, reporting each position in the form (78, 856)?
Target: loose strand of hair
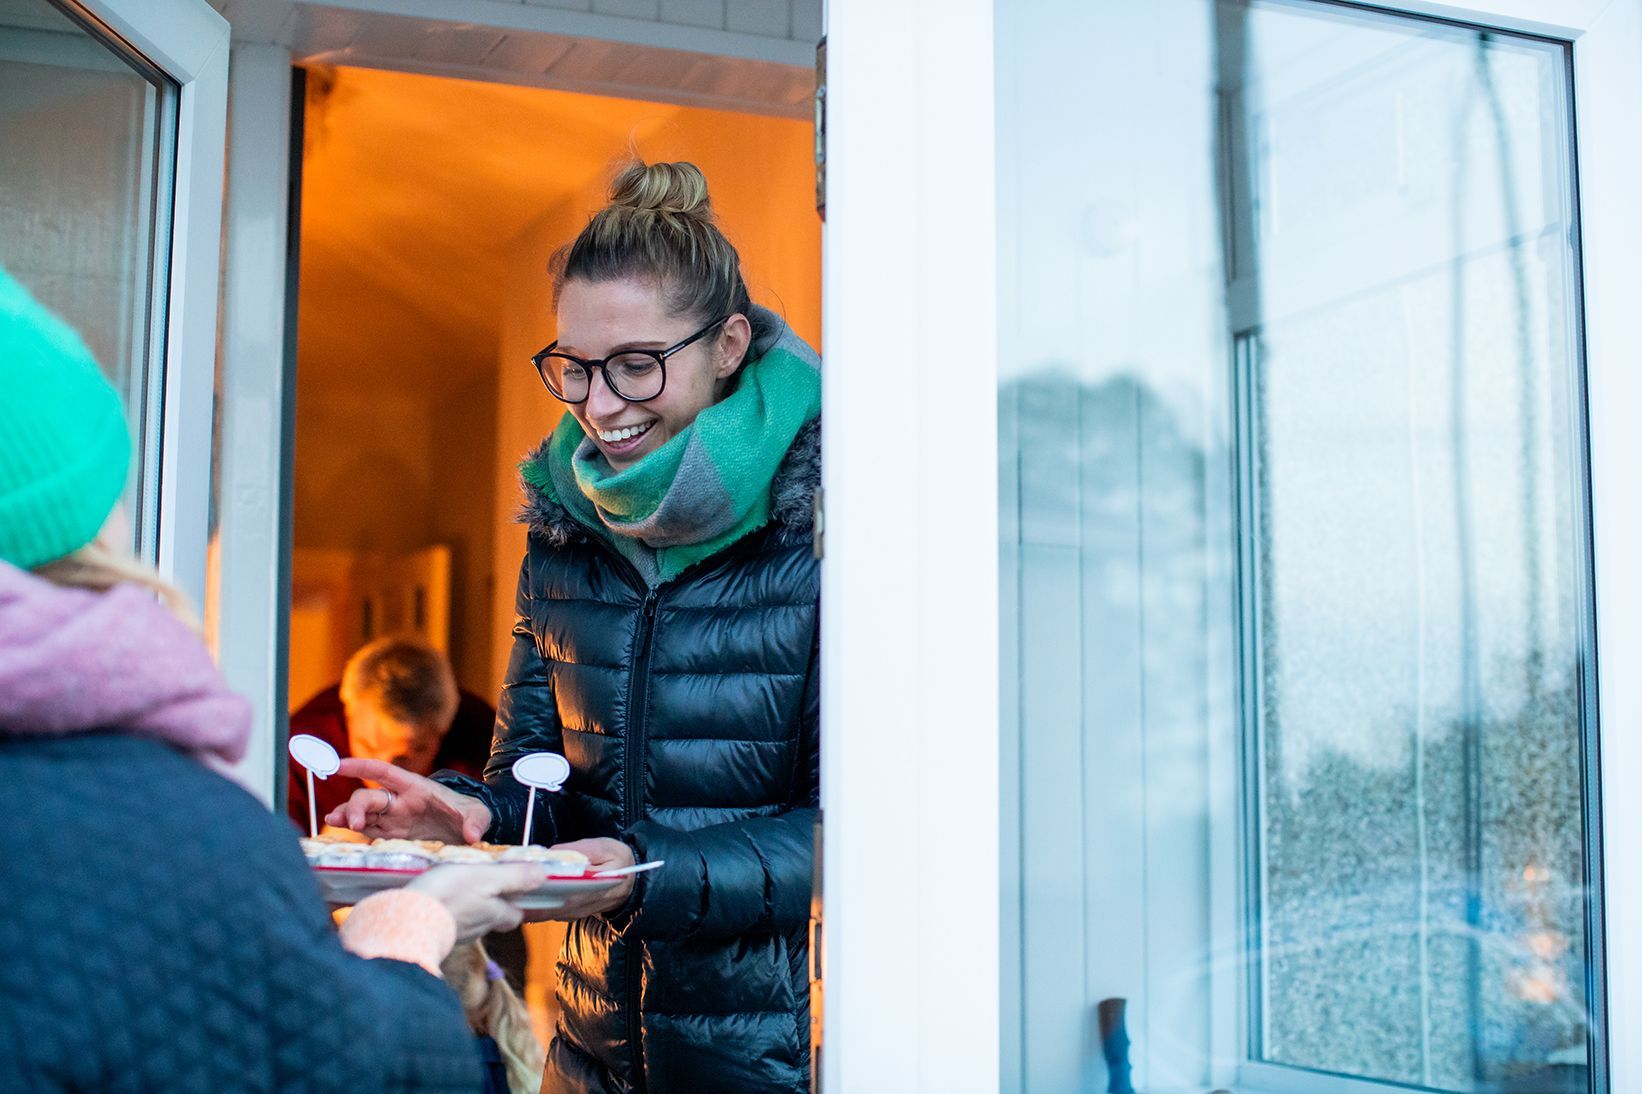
(100, 566)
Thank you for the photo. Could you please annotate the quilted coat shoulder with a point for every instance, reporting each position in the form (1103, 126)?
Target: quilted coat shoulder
(690, 716)
(162, 932)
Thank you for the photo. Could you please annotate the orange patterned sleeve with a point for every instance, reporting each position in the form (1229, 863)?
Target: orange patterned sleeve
(401, 924)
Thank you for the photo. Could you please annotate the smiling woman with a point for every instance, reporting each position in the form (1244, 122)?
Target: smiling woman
(666, 644)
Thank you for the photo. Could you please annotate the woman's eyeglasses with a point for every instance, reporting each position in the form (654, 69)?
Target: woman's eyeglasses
(636, 375)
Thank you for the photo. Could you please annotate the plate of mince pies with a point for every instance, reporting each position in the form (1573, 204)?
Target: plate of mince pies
(350, 870)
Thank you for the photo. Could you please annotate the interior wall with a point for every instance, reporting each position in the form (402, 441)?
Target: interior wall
(364, 465)
(464, 443)
(395, 428)
(525, 412)
(761, 175)
(384, 471)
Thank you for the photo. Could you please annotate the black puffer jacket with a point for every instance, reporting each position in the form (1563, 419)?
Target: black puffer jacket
(690, 715)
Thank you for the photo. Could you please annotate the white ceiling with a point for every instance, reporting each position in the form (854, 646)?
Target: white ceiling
(750, 57)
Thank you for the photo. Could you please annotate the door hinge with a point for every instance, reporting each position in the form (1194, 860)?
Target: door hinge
(818, 518)
(821, 128)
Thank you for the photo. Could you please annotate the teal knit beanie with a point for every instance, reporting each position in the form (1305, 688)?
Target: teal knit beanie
(64, 448)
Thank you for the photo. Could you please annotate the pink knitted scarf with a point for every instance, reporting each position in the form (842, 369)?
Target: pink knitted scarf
(73, 661)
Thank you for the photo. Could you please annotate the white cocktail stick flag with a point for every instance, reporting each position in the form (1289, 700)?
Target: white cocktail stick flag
(540, 771)
(317, 758)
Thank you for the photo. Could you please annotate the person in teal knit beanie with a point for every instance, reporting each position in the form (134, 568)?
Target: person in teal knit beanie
(162, 931)
(65, 450)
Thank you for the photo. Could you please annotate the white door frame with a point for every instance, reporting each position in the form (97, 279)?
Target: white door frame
(910, 576)
(188, 42)
(910, 704)
(258, 385)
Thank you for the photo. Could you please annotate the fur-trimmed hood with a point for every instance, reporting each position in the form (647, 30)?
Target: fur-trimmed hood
(792, 496)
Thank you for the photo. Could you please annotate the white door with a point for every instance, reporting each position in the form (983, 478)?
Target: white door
(1292, 339)
(112, 118)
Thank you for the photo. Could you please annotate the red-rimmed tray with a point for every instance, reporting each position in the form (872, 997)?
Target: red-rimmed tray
(351, 884)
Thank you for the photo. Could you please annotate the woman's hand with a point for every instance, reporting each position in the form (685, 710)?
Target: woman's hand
(408, 806)
(476, 896)
(602, 854)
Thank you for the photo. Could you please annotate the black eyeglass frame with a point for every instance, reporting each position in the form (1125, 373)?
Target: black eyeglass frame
(660, 356)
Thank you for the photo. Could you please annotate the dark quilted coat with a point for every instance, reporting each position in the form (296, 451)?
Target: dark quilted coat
(689, 714)
(161, 932)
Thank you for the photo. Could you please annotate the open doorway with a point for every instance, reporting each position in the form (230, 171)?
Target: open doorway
(429, 209)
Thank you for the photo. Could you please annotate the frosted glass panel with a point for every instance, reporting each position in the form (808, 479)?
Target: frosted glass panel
(85, 205)
(1417, 560)
(1295, 580)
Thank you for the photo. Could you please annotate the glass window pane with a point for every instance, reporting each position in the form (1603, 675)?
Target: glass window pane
(1417, 563)
(85, 206)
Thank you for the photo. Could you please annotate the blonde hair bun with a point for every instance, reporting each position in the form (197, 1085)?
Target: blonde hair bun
(677, 188)
(659, 226)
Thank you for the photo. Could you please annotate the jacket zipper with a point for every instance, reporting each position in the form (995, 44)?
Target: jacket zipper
(638, 716)
(633, 760)
(639, 711)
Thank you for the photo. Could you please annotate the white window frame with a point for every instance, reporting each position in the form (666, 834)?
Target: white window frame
(1607, 47)
(188, 42)
(910, 715)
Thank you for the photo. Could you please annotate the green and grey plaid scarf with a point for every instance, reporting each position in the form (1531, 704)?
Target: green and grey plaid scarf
(705, 488)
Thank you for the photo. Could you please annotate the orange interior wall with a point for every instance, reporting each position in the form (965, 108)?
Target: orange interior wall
(761, 174)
